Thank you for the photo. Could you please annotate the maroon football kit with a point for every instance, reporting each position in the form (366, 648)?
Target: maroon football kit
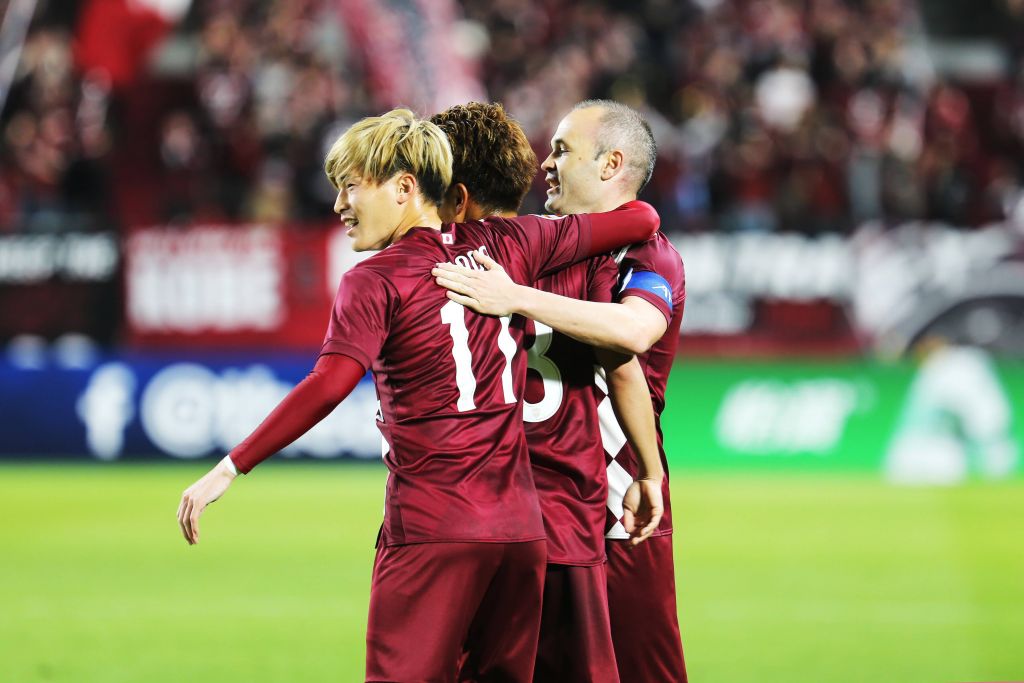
(449, 381)
(562, 426)
(575, 644)
(431, 601)
(567, 456)
(450, 384)
(642, 590)
(641, 583)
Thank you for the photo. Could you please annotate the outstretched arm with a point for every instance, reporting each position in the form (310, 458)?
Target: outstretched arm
(331, 380)
(630, 327)
(643, 505)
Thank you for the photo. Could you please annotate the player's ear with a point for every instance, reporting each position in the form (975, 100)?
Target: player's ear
(613, 165)
(456, 202)
(461, 201)
(406, 187)
(461, 196)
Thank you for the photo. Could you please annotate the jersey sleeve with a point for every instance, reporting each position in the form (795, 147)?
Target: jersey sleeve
(361, 318)
(551, 243)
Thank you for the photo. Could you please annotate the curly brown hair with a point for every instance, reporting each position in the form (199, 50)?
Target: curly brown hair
(492, 156)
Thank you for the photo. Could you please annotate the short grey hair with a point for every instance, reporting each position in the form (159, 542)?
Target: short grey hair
(624, 128)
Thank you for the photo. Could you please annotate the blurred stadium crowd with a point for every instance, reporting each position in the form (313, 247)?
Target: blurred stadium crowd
(771, 115)
(844, 179)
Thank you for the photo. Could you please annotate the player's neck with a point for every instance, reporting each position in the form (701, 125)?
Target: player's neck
(478, 212)
(610, 202)
(480, 215)
(422, 216)
(607, 201)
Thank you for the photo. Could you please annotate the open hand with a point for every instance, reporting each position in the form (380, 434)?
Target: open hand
(196, 497)
(490, 291)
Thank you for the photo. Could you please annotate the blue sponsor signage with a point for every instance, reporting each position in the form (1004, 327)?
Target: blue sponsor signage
(128, 406)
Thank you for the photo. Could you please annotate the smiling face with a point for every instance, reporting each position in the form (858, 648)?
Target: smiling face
(371, 211)
(573, 168)
(391, 172)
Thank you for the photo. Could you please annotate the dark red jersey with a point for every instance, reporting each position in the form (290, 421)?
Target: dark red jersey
(450, 381)
(653, 271)
(562, 428)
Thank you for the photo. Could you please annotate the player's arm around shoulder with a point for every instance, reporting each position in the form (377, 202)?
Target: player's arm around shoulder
(490, 291)
(206, 490)
(630, 327)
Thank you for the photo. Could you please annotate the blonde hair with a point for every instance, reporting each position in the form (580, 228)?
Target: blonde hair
(378, 147)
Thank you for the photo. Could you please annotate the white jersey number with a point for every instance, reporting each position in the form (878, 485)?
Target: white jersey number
(453, 314)
(549, 373)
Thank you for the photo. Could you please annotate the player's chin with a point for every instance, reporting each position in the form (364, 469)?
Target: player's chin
(360, 243)
(553, 204)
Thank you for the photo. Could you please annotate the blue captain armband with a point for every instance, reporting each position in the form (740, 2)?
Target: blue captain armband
(648, 282)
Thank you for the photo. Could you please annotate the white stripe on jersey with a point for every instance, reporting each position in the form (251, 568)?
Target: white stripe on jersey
(613, 439)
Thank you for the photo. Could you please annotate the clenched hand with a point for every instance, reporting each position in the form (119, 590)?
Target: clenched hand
(642, 508)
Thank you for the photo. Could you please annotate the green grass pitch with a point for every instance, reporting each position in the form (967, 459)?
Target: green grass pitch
(781, 578)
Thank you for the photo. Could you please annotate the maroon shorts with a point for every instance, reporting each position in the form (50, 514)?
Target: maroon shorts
(575, 632)
(436, 607)
(642, 604)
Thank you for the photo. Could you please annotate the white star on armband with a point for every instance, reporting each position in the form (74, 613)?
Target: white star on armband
(229, 463)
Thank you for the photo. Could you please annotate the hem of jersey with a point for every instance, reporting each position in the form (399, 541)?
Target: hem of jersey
(652, 299)
(571, 563)
(656, 534)
(529, 539)
(346, 349)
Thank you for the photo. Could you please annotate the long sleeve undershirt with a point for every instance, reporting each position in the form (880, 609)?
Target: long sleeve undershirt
(332, 379)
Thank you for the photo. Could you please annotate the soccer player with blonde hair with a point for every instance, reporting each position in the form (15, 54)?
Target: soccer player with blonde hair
(458, 574)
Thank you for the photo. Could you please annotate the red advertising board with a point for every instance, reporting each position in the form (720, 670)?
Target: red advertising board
(232, 286)
(271, 288)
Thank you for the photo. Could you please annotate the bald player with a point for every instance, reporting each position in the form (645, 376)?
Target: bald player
(461, 555)
(603, 154)
(493, 169)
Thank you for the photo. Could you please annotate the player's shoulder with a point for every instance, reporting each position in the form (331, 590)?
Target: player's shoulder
(598, 264)
(500, 225)
(407, 255)
(657, 254)
(369, 274)
(658, 245)
(399, 268)
(527, 221)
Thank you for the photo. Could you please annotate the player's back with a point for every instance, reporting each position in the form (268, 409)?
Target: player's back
(450, 383)
(562, 428)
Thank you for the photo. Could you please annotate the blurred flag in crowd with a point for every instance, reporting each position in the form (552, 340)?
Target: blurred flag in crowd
(413, 53)
(116, 36)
